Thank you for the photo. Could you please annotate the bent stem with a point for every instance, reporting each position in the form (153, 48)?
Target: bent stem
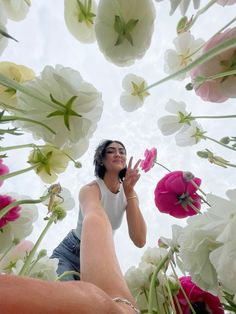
(154, 281)
(218, 142)
(16, 173)
(30, 257)
(230, 43)
(162, 166)
(7, 208)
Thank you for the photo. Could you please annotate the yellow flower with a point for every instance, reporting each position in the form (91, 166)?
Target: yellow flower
(18, 73)
(48, 161)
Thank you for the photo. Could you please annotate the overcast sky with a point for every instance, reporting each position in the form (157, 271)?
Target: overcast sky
(45, 40)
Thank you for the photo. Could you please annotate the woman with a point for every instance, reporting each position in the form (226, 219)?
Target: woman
(112, 192)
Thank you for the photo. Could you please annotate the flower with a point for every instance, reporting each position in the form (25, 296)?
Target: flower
(133, 96)
(150, 158)
(18, 252)
(217, 90)
(19, 228)
(226, 2)
(3, 20)
(3, 170)
(14, 212)
(201, 301)
(16, 10)
(72, 109)
(153, 255)
(187, 49)
(172, 123)
(176, 195)
(190, 135)
(63, 199)
(49, 162)
(18, 73)
(124, 29)
(79, 18)
(182, 4)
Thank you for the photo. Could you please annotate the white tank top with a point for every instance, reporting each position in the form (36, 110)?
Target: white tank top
(114, 205)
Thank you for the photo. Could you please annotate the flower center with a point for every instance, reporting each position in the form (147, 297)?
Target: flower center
(200, 308)
(139, 90)
(85, 12)
(124, 29)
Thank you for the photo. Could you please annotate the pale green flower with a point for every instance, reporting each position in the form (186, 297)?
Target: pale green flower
(134, 95)
(16, 9)
(190, 135)
(18, 73)
(79, 17)
(124, 29)
(72, 108)
(49, 162)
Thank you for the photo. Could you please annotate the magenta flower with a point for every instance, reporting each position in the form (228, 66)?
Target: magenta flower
(150, 158)
(218, 90)
(3, 170)
(13, 214)
(176, 195)
(203, 302)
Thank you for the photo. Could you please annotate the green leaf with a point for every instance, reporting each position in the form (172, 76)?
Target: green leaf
(5, 34)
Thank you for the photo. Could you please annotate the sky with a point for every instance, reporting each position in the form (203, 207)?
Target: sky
(44, 40)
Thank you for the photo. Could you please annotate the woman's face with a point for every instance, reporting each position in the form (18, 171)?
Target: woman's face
(115, 157)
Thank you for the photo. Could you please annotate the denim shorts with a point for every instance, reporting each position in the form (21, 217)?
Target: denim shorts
(68, 253)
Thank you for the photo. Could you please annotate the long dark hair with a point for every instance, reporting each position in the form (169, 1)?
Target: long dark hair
(100, 152)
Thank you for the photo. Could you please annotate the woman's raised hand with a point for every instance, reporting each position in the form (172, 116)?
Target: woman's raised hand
(131, 177)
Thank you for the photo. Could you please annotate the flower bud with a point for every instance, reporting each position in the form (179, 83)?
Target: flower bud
(203, 154)
(42, 253)
(189, 86)
(225, 140)
(188, 176)
(59, 212)
(161, 243)
(182, 24)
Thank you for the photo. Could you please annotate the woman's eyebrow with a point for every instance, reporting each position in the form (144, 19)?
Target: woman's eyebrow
(112, 147)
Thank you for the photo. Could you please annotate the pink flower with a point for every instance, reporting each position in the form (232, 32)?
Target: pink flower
(3, 170)
(150, 158)
(176, 195)
(202, 301)
(13, 214)
(226, 2)
(218, 90)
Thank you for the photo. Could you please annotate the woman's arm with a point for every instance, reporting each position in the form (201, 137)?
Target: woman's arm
(136, 224)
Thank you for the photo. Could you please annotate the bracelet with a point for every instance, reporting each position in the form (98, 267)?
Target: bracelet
(130, 197)
(125, 301)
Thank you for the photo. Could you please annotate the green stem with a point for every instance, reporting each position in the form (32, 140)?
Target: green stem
(25, 90)
(66, 273)
(181, 288)
(197, 187)
(178, 305)
(154, 280)
(162, 166)
(16, 173)
(7, 208)
(199, 80)
(200, 12)
(34, 249)
(218, 142)
(15, 118)
(12, 108)
(227, 44)
(2, 149)
(170, 294)
(7, 250)
(214, 117)
(194, 208)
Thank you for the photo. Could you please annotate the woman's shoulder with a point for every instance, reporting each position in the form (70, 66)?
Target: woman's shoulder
(90, 187)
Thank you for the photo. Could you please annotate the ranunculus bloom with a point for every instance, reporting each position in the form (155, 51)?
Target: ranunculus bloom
(3, 170)
(124, 29)
(13, 214)
(150, 158)
(79, 19)
(218, 90)
(202, 301)
(18, 73)
(176, 195)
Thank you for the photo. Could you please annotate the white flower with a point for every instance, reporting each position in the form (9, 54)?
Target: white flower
(18, 252)
(48, 162)
(19, 228)
(133, 96)
(124, 29)
(154, 255)
(182, 4)
(18, 73)
(190, 135)
(186, 51)
(224, 261)
(172, 123)
(3, 20)
(16, 9)
(174, 241)
(64, 199)
(135, 280)
(79, 18)
(75, 109)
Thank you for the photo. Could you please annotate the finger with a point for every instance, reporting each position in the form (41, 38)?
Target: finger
(130, 162)
(137, 164)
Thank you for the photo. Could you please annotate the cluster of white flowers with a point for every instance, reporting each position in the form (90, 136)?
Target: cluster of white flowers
(207, 245)
(15, 10)
(182, 4)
